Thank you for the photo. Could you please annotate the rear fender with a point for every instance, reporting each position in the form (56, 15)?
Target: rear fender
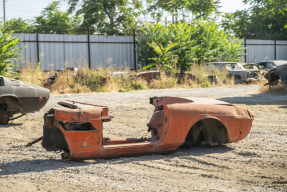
(13, 103)
(207, 130)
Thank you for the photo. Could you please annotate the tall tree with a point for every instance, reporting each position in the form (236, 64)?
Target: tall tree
(52, 20)
(195, 8)
(106, 16)
(265, 18)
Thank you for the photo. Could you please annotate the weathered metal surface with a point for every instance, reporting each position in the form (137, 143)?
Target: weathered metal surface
(176, 122)
(274, 75)
(58, 51)
(20, 97)
(148, 75)
(35, 141)
(236, 70)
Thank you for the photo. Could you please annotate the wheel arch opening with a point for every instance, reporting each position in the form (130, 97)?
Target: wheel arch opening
(208, 131)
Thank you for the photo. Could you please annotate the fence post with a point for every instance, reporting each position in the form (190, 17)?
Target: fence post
(89, 49)
(37, 39)
(245, 58)
(135, 54)
(275, 48)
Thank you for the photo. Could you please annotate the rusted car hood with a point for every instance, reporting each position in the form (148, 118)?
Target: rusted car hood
(80, 112)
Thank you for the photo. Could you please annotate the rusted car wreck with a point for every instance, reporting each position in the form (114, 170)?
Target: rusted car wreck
(274, 75)
(77, 130)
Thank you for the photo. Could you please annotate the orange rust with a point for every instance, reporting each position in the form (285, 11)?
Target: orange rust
(170, 124)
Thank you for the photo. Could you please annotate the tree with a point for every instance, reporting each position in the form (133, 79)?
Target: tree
(8, 50)
(110, 17)
(197, 8)
(201, 41)
(19, 25)
(165, 59)
(265, 19)
(52, 20)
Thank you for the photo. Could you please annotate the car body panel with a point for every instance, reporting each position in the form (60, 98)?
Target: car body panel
(271, 64)
(237, 71)
(170, 124)
(21, 97)
(274, 75)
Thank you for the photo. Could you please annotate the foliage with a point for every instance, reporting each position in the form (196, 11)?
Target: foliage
(8, 51)
(263, 17)
(19, 26)
(198, 8)
(165, 57)
(203, 41)
(58, 22)
(110, 17)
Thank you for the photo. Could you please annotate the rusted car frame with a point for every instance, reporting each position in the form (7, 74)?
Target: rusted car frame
(77, 130)
(274, 75)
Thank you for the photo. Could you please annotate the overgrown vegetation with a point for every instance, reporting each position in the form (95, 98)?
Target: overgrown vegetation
(202, 41)
(8, 51)
(279, 89)
(105, 80)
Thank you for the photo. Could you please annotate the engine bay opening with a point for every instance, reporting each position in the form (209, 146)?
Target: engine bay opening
(72, 126)
(154, 129)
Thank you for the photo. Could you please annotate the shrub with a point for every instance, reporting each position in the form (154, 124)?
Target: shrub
(8, 50)
(201, 41)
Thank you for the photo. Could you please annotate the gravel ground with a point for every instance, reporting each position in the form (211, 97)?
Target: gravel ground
(257, 163)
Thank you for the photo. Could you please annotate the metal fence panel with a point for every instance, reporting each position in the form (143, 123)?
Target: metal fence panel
(115, 51)
(28, 54)
(281, 50)
(59, 51)
(259, 50)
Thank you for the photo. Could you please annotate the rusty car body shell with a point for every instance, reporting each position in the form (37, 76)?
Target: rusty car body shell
(148, 76)
(236, 70)
(274, 75)
(175, 122)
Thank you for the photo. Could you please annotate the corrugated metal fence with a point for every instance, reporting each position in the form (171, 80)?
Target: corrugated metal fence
(59, 51)
(261, 50)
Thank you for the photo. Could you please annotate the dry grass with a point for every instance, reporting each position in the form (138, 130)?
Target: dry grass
(164, 82)
(32, 74)
(279, 89)
(104, 80)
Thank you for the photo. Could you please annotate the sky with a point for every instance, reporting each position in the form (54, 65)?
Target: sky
(28, 9)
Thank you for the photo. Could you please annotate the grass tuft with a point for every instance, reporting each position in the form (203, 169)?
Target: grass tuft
(279, 89)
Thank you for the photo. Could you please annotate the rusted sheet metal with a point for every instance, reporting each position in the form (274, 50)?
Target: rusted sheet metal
(148, 75)
(274, 75)
(176, 122)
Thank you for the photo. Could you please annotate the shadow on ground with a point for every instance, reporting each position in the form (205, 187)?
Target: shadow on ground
(257, 99)
(41, 165)
(10, 125)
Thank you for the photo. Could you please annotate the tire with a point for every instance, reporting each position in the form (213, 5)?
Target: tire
(237, 80)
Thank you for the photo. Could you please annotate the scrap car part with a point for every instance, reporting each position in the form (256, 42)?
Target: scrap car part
(18, 97)
(77, 130)
(275, 75)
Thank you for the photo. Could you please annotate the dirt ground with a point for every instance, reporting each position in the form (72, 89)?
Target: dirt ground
(257, 163)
